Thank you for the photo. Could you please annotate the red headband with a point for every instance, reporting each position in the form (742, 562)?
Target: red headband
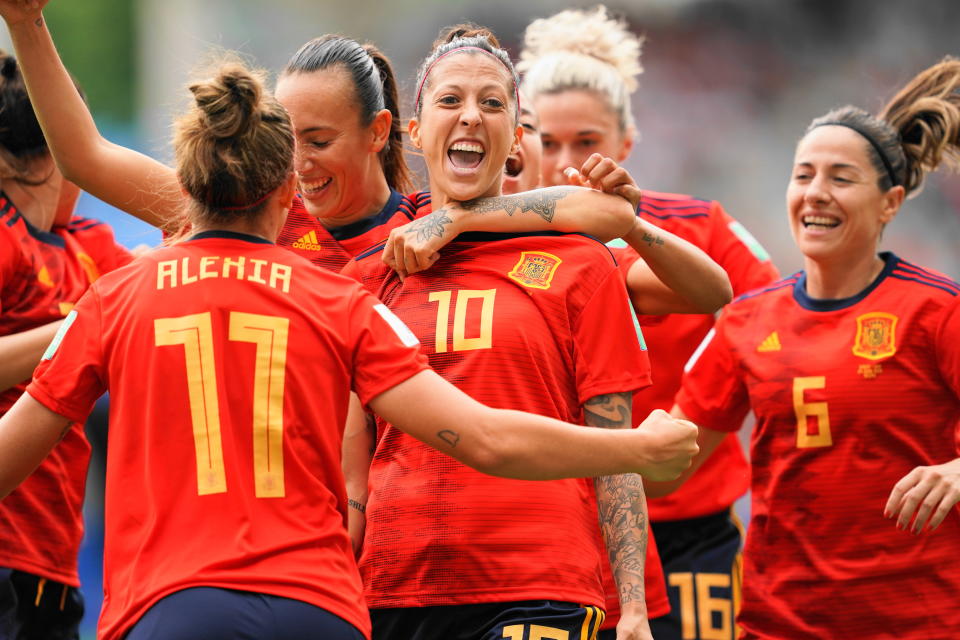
(516, 89)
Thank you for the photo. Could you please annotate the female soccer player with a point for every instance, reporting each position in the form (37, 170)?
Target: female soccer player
(852, 367)
(580, 68)
(48, 258)
(342, 98)
(229, 363)
(537, 322)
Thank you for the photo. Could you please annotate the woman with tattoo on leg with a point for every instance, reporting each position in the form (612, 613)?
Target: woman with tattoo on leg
(533, 321)
(225, 502)
(580, 68)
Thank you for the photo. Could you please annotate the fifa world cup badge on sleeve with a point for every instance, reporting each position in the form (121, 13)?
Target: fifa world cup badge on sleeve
(876, 336)
(535, 269)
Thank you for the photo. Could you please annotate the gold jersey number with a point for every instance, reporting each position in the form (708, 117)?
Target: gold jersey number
(809, 435)
(463, 297)
(269, 334)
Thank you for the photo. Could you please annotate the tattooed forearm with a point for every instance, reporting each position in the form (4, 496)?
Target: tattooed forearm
(652, 240)
(450, 437)
(621, 503)
(609, 410)
(429, 225)
(542, 202)
(623, 522)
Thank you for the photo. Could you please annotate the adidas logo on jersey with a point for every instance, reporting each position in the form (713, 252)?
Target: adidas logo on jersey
(770, 343)
(308, 241)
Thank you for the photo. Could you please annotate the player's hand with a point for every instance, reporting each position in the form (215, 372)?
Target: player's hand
(604, 174)
(633, 627)
(415, 246)
(929, 493)
(15, 11)
(670, 445)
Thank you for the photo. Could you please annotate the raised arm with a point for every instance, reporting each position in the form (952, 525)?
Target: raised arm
(122, 177)
(520, 445)
(415, 246)
(622, 508)
(673, 275)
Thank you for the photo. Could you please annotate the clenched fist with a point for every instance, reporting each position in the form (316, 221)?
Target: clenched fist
(671, 445)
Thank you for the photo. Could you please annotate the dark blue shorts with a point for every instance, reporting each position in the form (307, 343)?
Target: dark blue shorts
(204, 613)
(528, 620)
(702, 565)
(34, 607)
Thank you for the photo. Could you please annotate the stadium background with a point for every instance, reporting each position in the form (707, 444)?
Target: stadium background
(728, 87)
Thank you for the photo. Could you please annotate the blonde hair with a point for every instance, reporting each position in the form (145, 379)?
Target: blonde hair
(583, 49)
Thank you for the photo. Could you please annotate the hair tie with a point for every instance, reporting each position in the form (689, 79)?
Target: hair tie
(241, 207)
(873, 143)
(516, 89)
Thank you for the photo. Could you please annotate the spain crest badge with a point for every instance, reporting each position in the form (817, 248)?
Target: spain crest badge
(876, 336)
(535, 269)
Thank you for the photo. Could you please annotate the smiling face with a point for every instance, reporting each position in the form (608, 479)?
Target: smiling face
(573, 125)
(466, 126)
(338, 168)
(836, 208)
(523, 170)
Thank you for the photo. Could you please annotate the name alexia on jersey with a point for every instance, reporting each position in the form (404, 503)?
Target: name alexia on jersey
(179, 272)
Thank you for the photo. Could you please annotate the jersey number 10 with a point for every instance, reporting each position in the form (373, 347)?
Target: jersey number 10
(463, 297)
(269, 333)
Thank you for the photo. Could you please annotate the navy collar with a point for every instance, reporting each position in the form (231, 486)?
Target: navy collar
(228, 235)
(43, 236)
(360, 227)
(834, 304)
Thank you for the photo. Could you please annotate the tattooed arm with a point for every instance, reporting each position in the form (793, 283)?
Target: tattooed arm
(514, 444)
(623, 521)
(414, 247)
(674, 276)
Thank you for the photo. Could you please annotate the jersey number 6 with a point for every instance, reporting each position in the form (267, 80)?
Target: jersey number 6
(820, 435)
(269, 333)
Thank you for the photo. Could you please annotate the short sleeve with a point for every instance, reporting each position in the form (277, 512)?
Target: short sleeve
(610, 355)
(947, 348)
(712, 393)
(385, 351)
(735, 249)
(71, 374)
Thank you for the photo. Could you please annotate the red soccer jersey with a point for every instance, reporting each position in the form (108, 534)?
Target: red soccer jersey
(42, 275)
(257, 350)
(849, 395)
(673, 338)
(332, 248)
(535, 322)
